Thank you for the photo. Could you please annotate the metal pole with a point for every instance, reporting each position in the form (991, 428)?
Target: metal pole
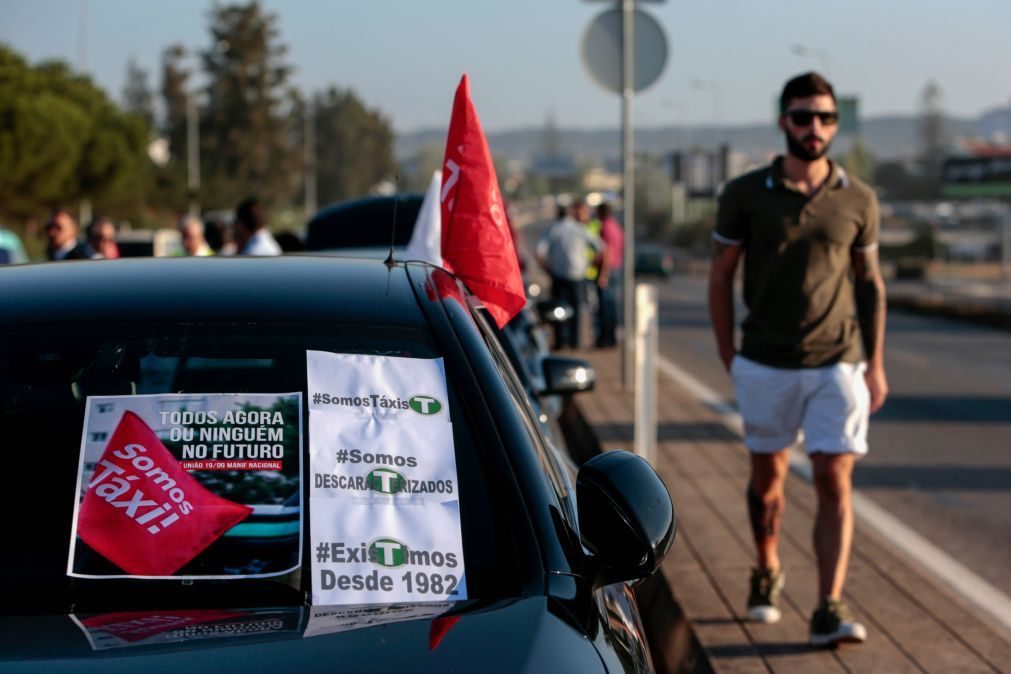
(193, 154)
(628, 190)
(646, 338)
(310, 160)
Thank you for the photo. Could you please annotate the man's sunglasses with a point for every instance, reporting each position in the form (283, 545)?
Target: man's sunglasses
(806, 117)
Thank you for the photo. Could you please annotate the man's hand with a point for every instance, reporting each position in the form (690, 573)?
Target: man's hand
(727, 356)
(877, 385)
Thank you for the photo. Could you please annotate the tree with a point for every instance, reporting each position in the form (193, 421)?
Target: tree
(63, 140)
(354, 147)
(170, 184)
(246, 126)
(859, 161)
(137, 96)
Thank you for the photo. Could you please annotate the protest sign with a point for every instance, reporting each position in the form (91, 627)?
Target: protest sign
(384, 498)
(180, 486)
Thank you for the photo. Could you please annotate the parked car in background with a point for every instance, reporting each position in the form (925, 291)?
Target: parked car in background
(548, 554)
(653, 260)
(365, 224)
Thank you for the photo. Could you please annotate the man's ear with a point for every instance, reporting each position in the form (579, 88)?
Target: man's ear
(782, 122)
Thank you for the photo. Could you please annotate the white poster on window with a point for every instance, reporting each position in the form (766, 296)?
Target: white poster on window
(384, 504)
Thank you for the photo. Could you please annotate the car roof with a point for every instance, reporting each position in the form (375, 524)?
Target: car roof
(364, 222)
(211, 289)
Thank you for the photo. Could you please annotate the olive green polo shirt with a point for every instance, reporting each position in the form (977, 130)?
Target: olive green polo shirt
(797, 267)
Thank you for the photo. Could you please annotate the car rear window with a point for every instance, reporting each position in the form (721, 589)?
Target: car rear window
(48, 376)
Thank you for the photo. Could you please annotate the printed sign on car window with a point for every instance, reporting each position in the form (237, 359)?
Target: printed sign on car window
(189, 486)
(384, 494)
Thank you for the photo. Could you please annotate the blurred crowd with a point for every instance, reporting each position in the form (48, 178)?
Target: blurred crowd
(244, 233)
(582, 251)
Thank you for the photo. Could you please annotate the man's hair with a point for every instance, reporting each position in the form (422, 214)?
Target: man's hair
(91, 231)
(249, 215)
(59, 209)
(191, 220)
(604, 210)
(802, 86)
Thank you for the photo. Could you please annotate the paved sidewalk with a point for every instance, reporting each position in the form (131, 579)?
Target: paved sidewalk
(914, 624)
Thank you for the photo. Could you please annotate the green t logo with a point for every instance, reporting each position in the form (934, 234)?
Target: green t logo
(387, 552)
(425, 405)
(385, 480)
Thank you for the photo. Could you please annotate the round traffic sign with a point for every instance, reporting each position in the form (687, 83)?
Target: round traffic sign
(601, 50)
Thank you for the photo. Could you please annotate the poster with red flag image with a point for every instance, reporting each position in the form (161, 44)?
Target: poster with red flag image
(477, 244)
(203, 486)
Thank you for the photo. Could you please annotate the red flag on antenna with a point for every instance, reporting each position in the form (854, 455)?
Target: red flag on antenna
(476, 243)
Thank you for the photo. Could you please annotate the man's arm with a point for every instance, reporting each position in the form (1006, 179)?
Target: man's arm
(721, 297)
(869, 289)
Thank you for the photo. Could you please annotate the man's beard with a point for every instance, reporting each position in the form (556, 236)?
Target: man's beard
(800, 151)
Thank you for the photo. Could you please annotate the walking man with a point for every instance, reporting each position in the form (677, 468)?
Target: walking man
(562, 252)
(811, 362)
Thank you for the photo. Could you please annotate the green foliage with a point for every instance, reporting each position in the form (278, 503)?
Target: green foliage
(354, 147)
(246, 126)
(62, 140)
(137, 95)
(859, 161)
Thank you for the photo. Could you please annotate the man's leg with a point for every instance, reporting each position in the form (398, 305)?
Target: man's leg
(833, 527)
(766, 503)
(832, 622)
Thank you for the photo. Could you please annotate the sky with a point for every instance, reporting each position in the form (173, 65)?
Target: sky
(726, 59)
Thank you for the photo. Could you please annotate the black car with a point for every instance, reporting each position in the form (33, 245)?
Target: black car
(548, 555)
(368, 223)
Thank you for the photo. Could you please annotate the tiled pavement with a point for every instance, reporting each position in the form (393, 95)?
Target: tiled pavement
(914, 624)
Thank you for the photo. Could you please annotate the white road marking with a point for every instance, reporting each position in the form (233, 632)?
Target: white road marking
(945, 568)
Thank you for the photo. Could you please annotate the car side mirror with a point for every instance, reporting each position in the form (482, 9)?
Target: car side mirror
(626, 517)
(564, 375)
(554, 311)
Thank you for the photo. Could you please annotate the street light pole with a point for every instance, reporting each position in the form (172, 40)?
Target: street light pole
(193, 153)
(310, 159)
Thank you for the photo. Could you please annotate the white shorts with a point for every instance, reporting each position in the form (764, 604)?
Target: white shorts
(826, 406)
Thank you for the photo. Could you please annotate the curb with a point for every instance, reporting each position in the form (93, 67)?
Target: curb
(981, 313)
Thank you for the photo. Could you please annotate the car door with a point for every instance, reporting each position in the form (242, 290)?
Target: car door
(622, 637)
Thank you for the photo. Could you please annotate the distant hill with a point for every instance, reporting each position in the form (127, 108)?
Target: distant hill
(891, 137)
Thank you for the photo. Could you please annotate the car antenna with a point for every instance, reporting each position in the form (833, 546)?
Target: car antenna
(390, 262)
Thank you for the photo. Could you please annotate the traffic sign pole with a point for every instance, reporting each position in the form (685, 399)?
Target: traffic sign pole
(628, 191)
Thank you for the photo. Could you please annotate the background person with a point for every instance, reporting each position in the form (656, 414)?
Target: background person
(610, 277)
(808, 236)
(61, 238)
(101, 236)
(191, 229)
(561, 251)
(250, 230)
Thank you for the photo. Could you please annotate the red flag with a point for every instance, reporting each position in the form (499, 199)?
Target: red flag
(476, 243)
(440, 628)
(143, 512)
